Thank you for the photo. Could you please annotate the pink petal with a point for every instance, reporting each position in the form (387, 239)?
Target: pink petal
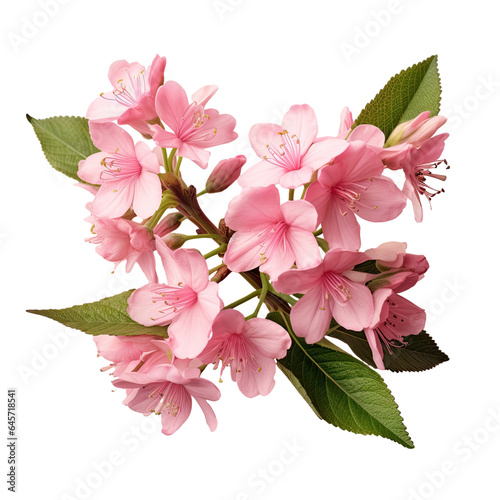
(323, 152)
(229, 321)
(301, 121)
(90, 170)
(194, 153)
(110, 137)
(304, 247)
(357, 312)
(299, 281)
(269, 338)
(262, 174)
(171, 104)
(209, 413)
(376, 347)
(339, 261)
(171, 423)
(340, 227)
(296, 178)
(156, 73)
(243, 252)
(203, 95)
(143, 309)
(368, 134)
(147, 194)
(309, 318)
(147, 263)
(164, 138)
(346, 122)
(223, 125)
(255, 206)
(381, 201)
(263, 135)
(300, 214)
(113, 199)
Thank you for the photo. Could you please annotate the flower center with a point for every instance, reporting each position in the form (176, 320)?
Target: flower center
(194, 125)
(173, 300)
(388, 329)
(166, 397)
(127, 95)
(423, 171)
(235, 352)
(120, 167)
(335, 287)
(273, 240)
(287, 156)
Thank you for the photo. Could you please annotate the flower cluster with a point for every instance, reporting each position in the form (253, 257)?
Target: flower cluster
(300, 251)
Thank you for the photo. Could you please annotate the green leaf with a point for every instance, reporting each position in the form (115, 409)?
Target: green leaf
(419, 354)
(405, 96)
(65, 141)
(105, 317)
(341, 389)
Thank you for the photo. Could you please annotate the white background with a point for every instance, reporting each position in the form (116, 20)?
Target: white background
(265, 56)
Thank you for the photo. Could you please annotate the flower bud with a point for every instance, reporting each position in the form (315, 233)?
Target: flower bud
(416, 131)
(174, 240)
(224, 174)
(168, 224)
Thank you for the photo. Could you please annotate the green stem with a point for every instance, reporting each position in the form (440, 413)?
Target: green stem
(203, 235)
(263, 294)
(217, 251)
(236, 303)
(284, 296)
(216, 268)
(165, 160)
(305, 191)
(319, 232)
(201, 193)
(291, 192)
(167, 201)
(170, 160)
(178, 166)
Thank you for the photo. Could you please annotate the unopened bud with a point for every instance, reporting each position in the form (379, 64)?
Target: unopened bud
(224, 174)
(168, 224)
(416, 131)
(174, 240)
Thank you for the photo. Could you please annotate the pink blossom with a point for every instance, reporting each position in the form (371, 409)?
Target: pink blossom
(121, 240)
(132, 100)
(188, 303)
(122, 350)
(270, 235)
(394, 318)
(399, 270)
(290, 153)
(332, 289)
(194, 128)
(249, 348)
(418, 166)
(127, 173)
(224, 174)
(167, 390)
(416, 131)
(353, 186)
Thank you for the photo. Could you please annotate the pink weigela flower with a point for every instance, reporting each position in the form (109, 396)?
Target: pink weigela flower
(269, 235)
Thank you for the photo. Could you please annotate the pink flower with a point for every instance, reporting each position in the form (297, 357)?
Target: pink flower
(353, 186)
(194, 128)
(416, 131)
(167, 390)
(188, 303)
(417, 166)
(127, 173)
(290, 153)
(124, 240)
(121, 350)
(224, 174)
(270, 235)
(331, 289)
(399, 270)
(394, 318)
(132, 100)
(249, 348)
(346, 122)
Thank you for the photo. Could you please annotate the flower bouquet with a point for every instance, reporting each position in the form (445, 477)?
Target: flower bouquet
(292, 234)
